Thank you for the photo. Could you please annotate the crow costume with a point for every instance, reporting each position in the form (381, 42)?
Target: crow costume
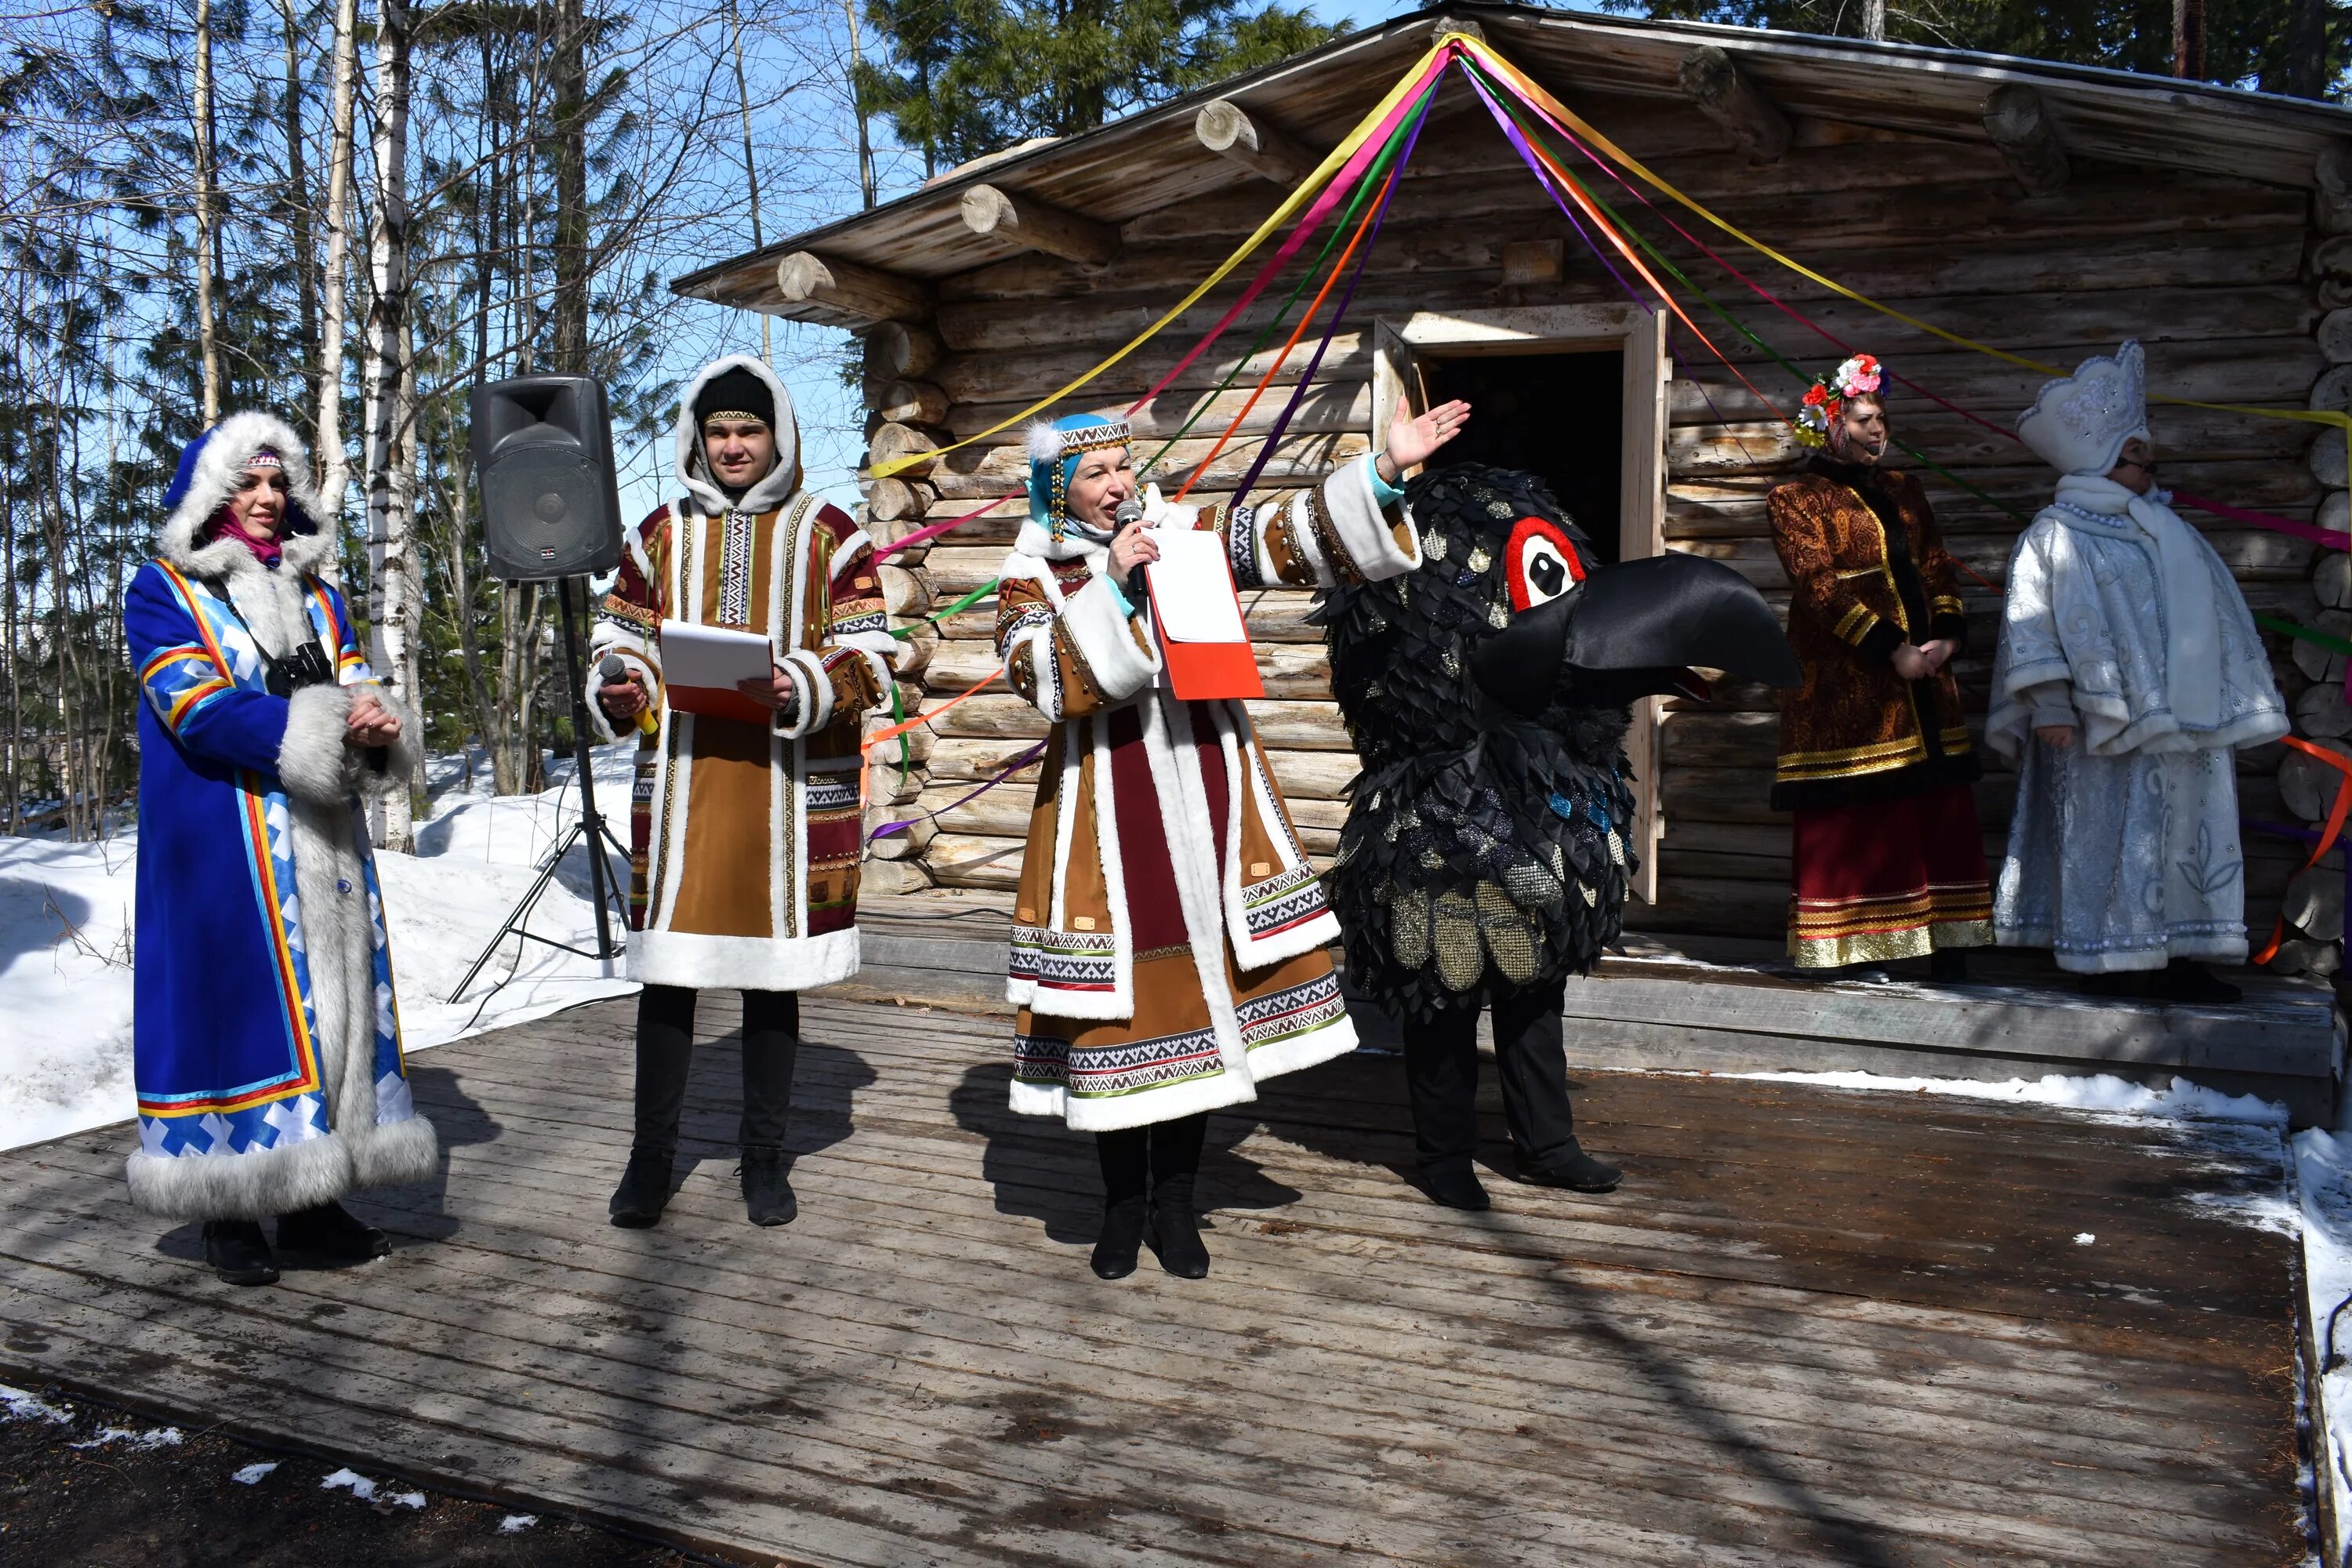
(1485, 856)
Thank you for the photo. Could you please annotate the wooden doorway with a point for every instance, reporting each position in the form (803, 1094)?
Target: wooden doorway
(1543, 375)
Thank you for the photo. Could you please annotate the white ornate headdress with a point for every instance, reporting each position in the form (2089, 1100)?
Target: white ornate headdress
(2079, 424)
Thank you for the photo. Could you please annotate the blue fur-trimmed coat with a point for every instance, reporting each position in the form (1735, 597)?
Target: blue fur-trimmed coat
(265, 1036)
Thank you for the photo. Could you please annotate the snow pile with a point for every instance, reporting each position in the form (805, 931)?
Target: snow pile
(362, 1488)
(154, 1437)
(2179, 1100)
(516, 1523)
(251, 1475)
(67, 940)
(2322, 1170)
(15, 1404)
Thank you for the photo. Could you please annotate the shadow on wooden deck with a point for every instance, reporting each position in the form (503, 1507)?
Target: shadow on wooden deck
(1814, 1327)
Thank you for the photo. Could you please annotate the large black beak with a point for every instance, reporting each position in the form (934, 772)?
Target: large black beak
(1643, 622)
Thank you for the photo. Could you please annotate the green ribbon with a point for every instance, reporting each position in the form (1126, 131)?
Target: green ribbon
(959, 607)
(2317, 638)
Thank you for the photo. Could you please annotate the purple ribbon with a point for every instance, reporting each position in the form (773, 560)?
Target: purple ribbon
(1330, 330)
(1006, 771)
(1518, 141)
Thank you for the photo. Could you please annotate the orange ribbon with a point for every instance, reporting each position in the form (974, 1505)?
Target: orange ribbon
(2328, 834)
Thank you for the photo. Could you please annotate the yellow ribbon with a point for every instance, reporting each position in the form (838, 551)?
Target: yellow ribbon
(1534, 90)
(1315, 181)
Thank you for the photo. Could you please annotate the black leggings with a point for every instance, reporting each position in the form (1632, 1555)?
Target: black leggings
(1133, 1158)
(771, 1033)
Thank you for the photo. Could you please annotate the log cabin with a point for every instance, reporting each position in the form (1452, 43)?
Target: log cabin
(2046, 211)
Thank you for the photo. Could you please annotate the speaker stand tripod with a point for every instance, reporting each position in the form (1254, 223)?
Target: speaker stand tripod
(609, 893)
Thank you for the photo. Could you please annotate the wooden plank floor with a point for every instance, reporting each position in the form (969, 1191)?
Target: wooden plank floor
(1814, 1327)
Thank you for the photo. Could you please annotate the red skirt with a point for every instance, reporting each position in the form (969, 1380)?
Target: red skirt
(1894, 879)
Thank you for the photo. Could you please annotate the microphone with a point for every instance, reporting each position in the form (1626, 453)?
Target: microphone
(1131, 511)
(614, 672)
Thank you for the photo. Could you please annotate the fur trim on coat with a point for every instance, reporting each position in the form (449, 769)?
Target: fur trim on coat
(693, 473)
(212, 469)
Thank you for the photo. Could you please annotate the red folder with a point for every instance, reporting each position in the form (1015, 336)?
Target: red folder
(719, 703)
(1200, 671)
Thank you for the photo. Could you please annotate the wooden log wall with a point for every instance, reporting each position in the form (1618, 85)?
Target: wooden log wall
(2215, 276)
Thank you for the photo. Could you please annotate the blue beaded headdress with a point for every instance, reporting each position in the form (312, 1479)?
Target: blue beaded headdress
(1054, 453)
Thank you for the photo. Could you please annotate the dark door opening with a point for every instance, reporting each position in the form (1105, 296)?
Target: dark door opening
(1560, 416)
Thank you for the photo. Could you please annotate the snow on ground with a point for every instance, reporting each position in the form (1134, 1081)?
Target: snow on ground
(2090, 1091)
(2323, 1168)
(65, 939)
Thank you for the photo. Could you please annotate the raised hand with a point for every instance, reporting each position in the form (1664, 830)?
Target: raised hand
(1414, 438)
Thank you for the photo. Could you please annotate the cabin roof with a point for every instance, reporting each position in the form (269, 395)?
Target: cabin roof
(1152, 158)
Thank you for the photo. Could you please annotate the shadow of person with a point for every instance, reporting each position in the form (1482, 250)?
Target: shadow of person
(35, 918)
(1040, 1170)
(825, 1081)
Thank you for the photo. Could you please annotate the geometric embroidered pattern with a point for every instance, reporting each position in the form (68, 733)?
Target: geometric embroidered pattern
(1064, 960)
(246, 1131)
(830, 793)
(1284, 1014)
(1102, 1072)
(735, 571)
(1290, 899)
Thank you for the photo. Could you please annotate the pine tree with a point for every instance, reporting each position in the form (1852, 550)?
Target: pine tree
(972, 76)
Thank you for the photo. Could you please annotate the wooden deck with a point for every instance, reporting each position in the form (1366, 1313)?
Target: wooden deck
(1814, 1327)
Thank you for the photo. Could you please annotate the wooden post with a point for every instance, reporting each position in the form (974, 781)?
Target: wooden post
(804, 277)
(2014, 119)
(893, 442)
(1226, 130)
(1714, 81)
(907, 402)
(989, 210)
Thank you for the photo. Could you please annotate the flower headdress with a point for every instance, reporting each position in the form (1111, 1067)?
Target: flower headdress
(1825, 400)
(1054, 452)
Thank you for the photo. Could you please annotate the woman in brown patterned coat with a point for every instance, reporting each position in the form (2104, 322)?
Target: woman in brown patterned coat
(1887, 858)
(1169, 937)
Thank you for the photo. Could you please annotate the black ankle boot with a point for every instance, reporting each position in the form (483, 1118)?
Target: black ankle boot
(767, 1195)
(644, 1191)
(2186, 979)
(1948, 966)
(238, 1252)
(1121, 1238)
(1572, 1169)
(1456, 1189)
(1176, 1229)
(331, 1230)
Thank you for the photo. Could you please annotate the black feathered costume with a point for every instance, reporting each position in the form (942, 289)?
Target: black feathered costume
(1485, 854)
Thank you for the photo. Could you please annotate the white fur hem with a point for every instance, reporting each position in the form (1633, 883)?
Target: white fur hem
(394, 1153)
(254, 1185)
(312, 761)
(1104, 638)
(1315, 1047)
(1114, 1113)
(1320, 931)
(742, 963)
(1364, 528)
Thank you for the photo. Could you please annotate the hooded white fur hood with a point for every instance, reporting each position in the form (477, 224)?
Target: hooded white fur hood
(219, 470)
(694, 474)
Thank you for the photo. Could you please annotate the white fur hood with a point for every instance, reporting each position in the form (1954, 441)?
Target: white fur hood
(695, 475)
(212, 468)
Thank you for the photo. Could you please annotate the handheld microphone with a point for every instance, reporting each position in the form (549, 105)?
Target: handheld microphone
(613, 672)
(1131, 511)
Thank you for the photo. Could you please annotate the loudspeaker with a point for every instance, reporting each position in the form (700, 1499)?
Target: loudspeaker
(543, 448)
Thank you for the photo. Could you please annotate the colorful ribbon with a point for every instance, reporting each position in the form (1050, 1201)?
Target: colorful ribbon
(2328, 834)
(1006, 771)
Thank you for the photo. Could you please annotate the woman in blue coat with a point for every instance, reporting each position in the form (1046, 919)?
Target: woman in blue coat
(266, 1037)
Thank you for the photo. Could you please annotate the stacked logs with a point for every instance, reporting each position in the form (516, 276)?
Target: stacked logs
(2314, 906)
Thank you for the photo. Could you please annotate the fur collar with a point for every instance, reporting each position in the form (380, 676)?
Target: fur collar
(211, 469)
(693, 473)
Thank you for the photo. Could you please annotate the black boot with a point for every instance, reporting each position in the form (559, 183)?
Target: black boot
(1948, 966)
(644, 1191)
(1572, 1169)
(238, 1252)
(767, 1194)
(331, 1230)
(1176, 1229)
(1121, 1237)
(1457, 1187)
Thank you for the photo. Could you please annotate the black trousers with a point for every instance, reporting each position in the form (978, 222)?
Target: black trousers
(1441, 1069)
(771, 1035)
(1135, 1157)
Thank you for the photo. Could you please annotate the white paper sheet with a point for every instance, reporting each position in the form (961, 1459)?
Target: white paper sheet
(713, 655)
(1192, 587)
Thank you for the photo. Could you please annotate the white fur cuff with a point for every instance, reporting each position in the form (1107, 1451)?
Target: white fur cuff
(1365, 529)
(815, 688)
(406, 754)
(313, 763)
(1121, 661)
(598, 720)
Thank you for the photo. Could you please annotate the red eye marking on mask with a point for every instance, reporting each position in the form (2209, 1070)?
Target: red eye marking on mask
(1542, 562)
